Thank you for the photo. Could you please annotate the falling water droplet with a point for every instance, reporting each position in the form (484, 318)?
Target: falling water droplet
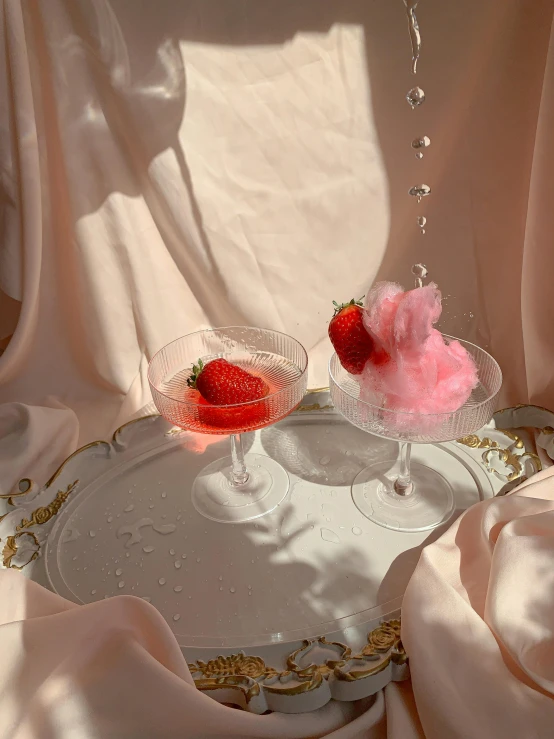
(415, 97)
(413, 28)
(419, 191)
(221, 576)
(356, 530)
(421, 143)
(198, 559)
(419, 155)
(471, 315)
(93, 592)
(420, 273)
(421, 221)
(162, 580)
(328, 535)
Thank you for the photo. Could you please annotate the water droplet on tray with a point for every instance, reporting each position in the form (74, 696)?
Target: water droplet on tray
(172, 552)
(119, 571)
(92, 534)
(325, 460)
(148, 549)
(129, 508)
(162, 581)
(165, 528)
(93, 592)
(178, 565)
(232, 590)
(331, 536)
(110, 519)
(164, 495)
(198, 559)
(177, 616)
(415, 97)
(121, 584)
(356, 530)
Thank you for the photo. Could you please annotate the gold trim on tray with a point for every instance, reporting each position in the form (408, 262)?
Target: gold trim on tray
(38, 517)
(383, 646)
(43, 514)
(10, 550)
(335, 673)
(505, 455)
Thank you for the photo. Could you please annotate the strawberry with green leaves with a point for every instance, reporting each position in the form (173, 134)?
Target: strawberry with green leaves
(221, 383)
(352, 343)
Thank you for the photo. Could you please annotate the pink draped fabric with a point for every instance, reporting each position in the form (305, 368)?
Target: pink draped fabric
(478, 619)
(113, 669)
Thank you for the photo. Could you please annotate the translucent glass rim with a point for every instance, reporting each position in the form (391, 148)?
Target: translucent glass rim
(299, 379)
(411, 414)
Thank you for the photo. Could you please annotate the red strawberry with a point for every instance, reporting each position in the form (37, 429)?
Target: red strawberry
(222, 383)
(235, 419)
(349, 337)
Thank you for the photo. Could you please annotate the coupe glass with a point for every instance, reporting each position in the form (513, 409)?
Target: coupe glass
(243, 486)
(398, 494)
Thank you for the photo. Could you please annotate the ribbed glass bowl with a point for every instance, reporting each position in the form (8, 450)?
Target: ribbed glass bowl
(417, 427)
(279, 359)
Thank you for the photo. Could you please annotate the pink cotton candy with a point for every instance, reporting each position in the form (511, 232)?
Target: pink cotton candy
(413, 370)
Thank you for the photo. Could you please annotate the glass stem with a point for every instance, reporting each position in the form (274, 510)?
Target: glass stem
(403, 484)
(239, 473)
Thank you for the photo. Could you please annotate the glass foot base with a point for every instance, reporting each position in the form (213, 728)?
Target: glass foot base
(430, 504)
(216, 498)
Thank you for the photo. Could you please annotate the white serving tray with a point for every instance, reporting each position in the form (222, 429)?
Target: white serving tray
(117, 518)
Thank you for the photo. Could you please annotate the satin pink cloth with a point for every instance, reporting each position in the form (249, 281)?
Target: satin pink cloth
(478, 621)
(114, 669)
